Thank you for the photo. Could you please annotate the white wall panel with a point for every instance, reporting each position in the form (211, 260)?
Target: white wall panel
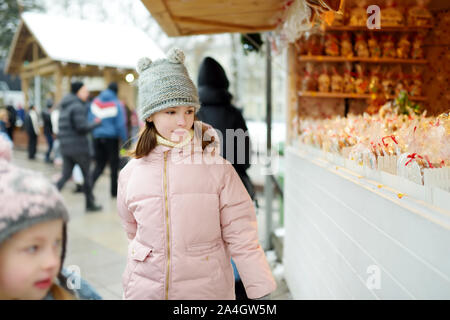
(338, 224)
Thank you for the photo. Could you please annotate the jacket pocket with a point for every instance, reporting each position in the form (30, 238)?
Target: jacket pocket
(140, 252)
(203, 247)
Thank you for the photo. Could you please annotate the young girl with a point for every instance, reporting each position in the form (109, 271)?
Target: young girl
(33, 222)
(185, 211)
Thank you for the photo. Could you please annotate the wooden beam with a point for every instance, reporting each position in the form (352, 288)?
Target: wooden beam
(42, 71)
(160, 11)
(58, 77)
(37, 64)
(25, 86)
(8, 68)
(232, 27)
(208, 8)
(35, 51)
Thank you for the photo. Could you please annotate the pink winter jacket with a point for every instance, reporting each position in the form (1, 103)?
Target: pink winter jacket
(184, 221)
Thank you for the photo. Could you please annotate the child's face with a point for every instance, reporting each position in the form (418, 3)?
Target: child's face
(30, 261)
(174, 124)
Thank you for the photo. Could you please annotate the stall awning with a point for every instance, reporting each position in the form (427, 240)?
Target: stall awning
(184, 18)
(193, 17)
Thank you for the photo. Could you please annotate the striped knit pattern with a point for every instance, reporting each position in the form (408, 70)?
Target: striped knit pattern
(165, 83)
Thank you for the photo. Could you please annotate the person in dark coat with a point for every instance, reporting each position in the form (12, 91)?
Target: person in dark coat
(31, 125)
(217, 110)
(72, 134)
(48, 130)
(12, 117)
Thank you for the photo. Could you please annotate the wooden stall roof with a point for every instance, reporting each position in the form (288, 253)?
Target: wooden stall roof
(74, 41)
(184, 18)
(193, 17)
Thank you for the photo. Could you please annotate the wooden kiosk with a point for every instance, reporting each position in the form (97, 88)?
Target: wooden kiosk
(344, 237)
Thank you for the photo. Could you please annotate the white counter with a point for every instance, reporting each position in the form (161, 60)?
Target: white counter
(348, 237)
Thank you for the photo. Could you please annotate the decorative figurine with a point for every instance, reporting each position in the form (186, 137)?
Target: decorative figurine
(388, 47)
(308, 82)
(358, 15)
(331, 45)
(349, 79)
(361, 82)
(346, 45)
(374, 47)
(336, 81)
(361, 46)
(391, 16)
(415, 88)
(417, 49)
(403, 47)
(324, 81)
(419, 15)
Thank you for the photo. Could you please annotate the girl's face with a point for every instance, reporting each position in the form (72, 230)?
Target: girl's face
(174, 123)
(30, 261)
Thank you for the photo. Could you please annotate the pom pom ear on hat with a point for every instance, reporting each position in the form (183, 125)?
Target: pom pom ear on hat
(175, 55)
(143, 64)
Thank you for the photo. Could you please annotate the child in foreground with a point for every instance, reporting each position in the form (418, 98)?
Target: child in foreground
(33, 220)
(183, 207)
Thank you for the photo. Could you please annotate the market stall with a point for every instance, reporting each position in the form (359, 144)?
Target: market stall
(354, 227)
(367, 197)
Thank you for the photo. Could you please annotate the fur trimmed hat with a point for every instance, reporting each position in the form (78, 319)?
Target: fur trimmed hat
(164, 83)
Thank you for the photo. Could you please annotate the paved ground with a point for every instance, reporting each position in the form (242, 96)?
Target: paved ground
(96, 242)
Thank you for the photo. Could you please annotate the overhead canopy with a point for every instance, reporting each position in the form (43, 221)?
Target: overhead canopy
(183, 18)
(193, 17)
(83, 42)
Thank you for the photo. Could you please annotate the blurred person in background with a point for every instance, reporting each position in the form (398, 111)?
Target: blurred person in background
(12, 118)
(48, 129)
(72, 133)
(218, 111)
(107, 107)
(31, 125)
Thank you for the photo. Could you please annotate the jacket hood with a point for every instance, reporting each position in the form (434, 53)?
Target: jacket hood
(213, 84)
(211, 74)
(68, 100)
(107, 95)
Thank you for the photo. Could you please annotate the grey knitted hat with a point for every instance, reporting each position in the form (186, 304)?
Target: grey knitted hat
(165, 83)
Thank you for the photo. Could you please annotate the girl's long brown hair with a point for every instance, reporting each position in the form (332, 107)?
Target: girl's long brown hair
(147, 140)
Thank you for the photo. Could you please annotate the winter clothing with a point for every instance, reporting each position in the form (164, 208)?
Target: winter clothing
(48, 132)
(69, 162)
(218, 111)
(106, 137)
(76, 86)
(12, 118)
(113, 87)
(73, 126)
(74, 144)
(106, 151)
(35, 199)
(185, 218)
(165, 83)
(109, 109)
(31, 125)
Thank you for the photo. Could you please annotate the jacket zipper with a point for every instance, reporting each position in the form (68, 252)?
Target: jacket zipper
(167, 225)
